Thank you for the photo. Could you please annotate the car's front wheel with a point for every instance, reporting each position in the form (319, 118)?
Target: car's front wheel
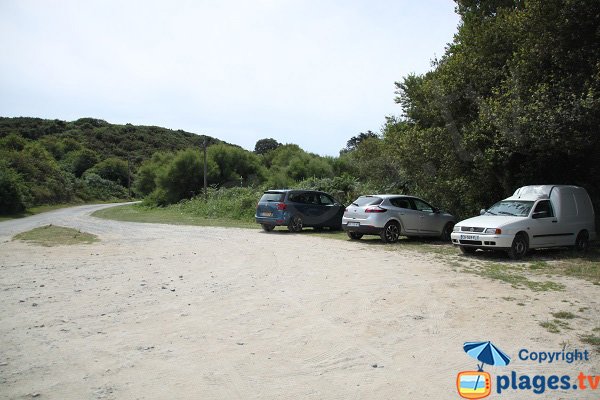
(446, 232)
(354, 235)
(391, 232)
(519, 247)
(295, 224)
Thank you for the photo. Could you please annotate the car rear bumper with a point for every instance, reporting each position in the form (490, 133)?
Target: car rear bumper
(364, 229)
(274, 221)
(482, 241)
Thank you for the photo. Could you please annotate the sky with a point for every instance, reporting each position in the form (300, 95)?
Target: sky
(310, 72)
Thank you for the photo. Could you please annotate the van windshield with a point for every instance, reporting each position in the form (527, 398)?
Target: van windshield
(510, 207)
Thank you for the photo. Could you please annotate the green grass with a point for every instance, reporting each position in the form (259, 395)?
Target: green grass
(564, 315)
(593, 340)
(167, 215)
(550, 326)
(509, 274)
(51, 235)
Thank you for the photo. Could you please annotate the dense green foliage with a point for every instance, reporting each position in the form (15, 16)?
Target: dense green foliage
(53, 161)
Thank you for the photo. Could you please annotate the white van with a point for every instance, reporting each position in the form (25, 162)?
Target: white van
(533, 217)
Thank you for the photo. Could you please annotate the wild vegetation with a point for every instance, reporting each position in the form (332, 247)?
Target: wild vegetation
(514, 100)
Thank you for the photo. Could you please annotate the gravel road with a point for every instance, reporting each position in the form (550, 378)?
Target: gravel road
(156, 311)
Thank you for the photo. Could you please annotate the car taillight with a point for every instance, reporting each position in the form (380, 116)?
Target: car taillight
(375, 209)
(281, 206)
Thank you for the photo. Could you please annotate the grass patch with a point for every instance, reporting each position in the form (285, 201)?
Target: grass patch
(593, 340)
(508, 273)
(51, 235)
(564, 315)
(550, 326)
(168, 215)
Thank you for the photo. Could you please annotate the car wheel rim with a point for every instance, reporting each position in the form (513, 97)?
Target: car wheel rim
(297, 225)
(520, 247)
(391, 233)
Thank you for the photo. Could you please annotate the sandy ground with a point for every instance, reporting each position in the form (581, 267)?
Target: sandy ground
(175, 312)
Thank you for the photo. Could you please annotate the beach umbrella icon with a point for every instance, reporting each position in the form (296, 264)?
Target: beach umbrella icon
(487, 353)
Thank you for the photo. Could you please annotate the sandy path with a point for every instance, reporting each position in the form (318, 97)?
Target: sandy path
(175, 312)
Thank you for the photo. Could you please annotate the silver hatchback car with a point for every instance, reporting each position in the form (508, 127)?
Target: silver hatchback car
(391, 216)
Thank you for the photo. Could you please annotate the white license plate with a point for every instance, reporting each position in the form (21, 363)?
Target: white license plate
(354, 224)
(469, 237)
(266, 214)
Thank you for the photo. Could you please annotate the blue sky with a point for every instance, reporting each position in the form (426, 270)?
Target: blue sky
(310, 72)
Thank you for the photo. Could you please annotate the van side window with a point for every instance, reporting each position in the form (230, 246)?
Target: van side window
(545, 208)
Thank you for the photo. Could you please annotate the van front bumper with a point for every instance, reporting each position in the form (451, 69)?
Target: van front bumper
(482, 241)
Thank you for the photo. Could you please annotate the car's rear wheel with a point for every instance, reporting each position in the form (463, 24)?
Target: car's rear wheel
(582, 243)
(391, 232)
(519, 248)
(267, 227)
(354, 235)
(467, 250)
(295, 224)
(446, 232)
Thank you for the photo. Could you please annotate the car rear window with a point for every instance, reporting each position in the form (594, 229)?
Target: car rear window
(272, 196)
(367, 201)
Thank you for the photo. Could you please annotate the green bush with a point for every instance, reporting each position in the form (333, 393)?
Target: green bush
(11, 191)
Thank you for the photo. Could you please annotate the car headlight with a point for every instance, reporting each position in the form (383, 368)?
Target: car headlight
(456, 228)
(493, 231)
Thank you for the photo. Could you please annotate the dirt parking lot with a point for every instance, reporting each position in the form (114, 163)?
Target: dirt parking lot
(179, 312)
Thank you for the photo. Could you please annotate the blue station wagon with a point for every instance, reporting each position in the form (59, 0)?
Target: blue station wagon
(297, 209)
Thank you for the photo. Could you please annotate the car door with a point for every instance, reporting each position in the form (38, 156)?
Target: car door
(544, 228)
(405, 212)
(428, 218)
(330, 210)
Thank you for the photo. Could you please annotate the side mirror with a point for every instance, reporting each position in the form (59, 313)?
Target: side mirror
(482, 211)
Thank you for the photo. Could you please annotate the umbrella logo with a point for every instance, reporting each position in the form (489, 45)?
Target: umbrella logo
(478, 384)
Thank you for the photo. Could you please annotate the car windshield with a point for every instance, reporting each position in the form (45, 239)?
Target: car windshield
(511, 207)
(367, 201)
(271, 196)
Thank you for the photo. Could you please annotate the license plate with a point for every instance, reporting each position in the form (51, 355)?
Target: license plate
(266, 214)
(469, 237)
(354, 224)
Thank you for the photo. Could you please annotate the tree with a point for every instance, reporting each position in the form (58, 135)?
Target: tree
(264, 146)
(11, 190)
(353, 143)
(114, 169)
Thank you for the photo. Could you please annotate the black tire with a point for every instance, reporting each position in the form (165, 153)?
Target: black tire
(467, 250)
(519, 248)
(295, 224)
(446, 232)
(391, 232)
(267, 227)
(354, 235)
(582, 243)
